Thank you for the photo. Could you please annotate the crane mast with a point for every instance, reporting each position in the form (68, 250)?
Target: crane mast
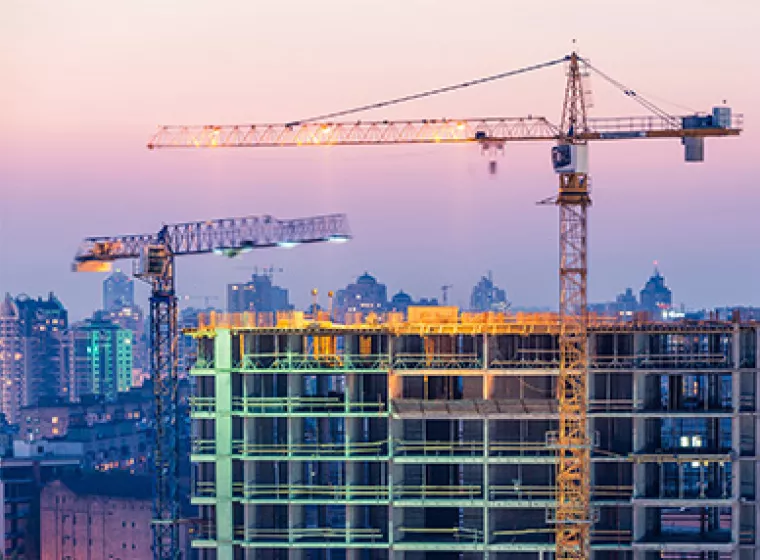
(572, 515)
(156, 254)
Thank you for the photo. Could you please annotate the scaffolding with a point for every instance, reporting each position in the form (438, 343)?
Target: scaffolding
(435, 437)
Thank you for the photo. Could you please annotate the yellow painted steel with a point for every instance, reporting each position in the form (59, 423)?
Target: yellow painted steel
(573, 488)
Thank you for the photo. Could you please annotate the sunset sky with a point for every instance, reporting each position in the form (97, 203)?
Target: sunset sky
(85, 83)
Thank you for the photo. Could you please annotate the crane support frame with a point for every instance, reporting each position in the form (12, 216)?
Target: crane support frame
(164, 355)
(424, 131)
(229, 236)
(573, 479)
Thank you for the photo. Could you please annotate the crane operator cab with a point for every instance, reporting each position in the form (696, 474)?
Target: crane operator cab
(570, 161)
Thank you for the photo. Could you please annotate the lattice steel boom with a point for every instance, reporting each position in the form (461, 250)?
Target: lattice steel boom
(156, 253)
(573, 516)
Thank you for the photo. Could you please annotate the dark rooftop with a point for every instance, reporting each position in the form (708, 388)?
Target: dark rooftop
(115, 484)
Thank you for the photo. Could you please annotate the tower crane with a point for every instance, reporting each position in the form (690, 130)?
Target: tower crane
(154, 255)
(573, 516)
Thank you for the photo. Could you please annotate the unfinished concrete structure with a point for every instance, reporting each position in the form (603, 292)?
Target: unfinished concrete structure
(433, 437)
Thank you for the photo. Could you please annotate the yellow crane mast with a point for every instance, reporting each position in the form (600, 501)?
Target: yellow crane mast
(573, 516)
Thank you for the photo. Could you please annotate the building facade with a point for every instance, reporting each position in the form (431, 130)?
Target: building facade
(100, 359)
(97, 515)
(118, 291)
(428, 439)
(132, 318)
(52, 420)
(44, 323)
(12, 381)
(24, 469)
(33, 352)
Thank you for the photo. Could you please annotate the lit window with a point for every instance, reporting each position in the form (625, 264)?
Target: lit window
(55, 420)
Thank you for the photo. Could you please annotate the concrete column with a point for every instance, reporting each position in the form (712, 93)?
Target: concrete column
(486, 487)
(735, 439)
(223, 435)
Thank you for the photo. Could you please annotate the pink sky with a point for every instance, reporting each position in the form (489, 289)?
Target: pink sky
(86, 82)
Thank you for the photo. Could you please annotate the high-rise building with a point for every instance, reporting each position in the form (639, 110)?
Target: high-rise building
(101, 359)
(259, 295)
(44, 323)
(432, 440)
(118, 291)
(655, 296)
(486, 296)
(364, 296)
(33, 352)
(12, 383)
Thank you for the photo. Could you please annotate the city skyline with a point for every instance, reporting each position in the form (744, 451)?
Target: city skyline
(443, 205)
(272, 293)
(491, 321)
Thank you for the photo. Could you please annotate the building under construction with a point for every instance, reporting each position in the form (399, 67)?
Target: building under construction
(434, 437)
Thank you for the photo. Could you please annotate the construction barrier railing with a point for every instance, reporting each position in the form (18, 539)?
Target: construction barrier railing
(203, 363)
(430, 448)
(202, 446)
(313, 492)
(436, 361)
(314, 534)
(747, 535)
(304, 405)
(205, 489)
(202, 405)
(298, 361)
(402, 492)
(672, 360)
(747, 403)
(203, 530)
(436, 492)
(362, 449)
(523, 492)
(448, 534)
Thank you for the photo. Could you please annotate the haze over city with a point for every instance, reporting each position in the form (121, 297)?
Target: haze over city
(86, 85)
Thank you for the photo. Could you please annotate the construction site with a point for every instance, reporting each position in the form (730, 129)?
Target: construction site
(435, 436)
(440, 434)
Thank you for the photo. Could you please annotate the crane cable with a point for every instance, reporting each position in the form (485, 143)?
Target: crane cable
(430, 93)
(634, 95)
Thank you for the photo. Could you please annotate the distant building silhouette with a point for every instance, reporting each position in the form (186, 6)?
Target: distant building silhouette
(259, 295)
(656, 300)
(12, 382)
(118, 291)
(364, 296)
(655, 296)
(401, 302)
(486, 296)
(627, 301)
